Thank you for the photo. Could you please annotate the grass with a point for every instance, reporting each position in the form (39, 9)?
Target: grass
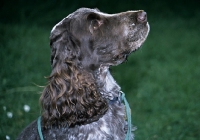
(162, 83)
(24, 63)
(161, 80)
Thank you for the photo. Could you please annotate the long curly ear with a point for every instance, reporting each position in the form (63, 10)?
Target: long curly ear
(70, 97)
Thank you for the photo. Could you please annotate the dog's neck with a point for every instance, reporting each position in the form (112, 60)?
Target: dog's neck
(107, 86)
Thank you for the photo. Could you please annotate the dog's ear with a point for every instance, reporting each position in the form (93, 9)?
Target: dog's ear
(63, 45)
(71, 96)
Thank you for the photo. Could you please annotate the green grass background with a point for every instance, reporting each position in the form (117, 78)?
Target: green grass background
(161, 80)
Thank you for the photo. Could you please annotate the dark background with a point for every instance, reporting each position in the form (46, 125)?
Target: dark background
(48, 12)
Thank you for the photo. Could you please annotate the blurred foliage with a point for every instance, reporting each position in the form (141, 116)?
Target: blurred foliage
(161, 80)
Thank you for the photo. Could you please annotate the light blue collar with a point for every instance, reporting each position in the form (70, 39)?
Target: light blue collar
(128, 115)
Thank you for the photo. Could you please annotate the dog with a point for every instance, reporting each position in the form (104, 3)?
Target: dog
(82, 101)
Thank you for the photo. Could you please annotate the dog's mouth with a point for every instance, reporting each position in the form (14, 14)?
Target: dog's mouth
(138, 30)
(120, 58)
(137, 36)
(135, 31)
(133, 43)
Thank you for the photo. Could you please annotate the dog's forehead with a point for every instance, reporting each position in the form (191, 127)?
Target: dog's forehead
(86, 10)
(75, 15)
(81, 12)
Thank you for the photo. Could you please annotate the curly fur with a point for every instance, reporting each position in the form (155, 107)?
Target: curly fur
(71, 97)
(76, 103)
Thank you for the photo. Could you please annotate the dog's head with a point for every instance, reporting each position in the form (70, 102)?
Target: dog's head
(94, 38)
(80, 44)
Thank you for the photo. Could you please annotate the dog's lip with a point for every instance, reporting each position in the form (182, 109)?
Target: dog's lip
(120, 58)
(123, 55)
(136, 44)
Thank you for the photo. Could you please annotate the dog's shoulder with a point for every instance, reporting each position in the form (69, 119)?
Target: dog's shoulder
(30, 132)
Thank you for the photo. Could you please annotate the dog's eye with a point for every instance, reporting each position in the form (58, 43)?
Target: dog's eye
(94, 21)
(93, 16)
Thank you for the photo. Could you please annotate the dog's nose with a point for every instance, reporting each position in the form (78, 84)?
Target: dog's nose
(142, 17)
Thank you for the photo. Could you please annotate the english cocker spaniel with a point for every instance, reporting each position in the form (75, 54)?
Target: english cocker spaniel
(82, 101)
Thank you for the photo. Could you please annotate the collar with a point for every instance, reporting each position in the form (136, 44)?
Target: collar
(115, 99)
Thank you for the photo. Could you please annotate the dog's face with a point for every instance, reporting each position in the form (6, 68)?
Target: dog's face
(83, 46)
(103, 39)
